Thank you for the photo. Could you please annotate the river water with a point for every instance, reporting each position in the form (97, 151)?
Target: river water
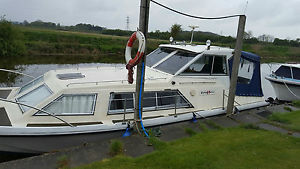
(39, 69)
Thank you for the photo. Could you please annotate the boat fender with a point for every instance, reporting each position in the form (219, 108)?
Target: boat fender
(131, 62)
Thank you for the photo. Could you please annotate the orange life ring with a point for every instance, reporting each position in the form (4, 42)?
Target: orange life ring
(130, 63)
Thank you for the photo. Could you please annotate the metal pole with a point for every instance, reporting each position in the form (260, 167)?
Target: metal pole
(236, 62)
(143, 27)
(125, 102)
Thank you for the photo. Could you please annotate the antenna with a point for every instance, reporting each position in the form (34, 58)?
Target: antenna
(246, 6)
(127, 23)
(193, 28)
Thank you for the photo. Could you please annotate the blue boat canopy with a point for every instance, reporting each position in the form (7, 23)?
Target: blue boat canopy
(249, 77)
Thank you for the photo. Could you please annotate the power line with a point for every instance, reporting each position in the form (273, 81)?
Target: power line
(193, 16)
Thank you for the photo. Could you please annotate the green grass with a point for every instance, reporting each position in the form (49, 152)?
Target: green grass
(296, 103)
(116, 148)
(217, 149)
(290, 120)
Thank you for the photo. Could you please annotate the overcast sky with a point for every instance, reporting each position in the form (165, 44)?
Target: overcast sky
(280, 18)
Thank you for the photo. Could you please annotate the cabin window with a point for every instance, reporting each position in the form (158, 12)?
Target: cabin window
(31, 83)
(284, 71)
(296, 73)
(34, 97)
(207, 65)
(219, 66)
(246, 69)
(176, 62)
(117, 102)
(82, 104)
(157, 55)
(167, 99)
(154, 100)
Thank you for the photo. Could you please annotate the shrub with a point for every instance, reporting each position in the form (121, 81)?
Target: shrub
(11, 43)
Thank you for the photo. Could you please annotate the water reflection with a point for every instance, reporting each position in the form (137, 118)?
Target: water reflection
(37, 70)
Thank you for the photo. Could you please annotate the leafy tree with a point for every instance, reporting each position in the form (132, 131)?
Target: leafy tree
(175, 30)
(11, 43)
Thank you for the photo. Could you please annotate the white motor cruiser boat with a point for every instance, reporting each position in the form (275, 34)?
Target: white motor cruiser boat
(67, 107)
(286, 82)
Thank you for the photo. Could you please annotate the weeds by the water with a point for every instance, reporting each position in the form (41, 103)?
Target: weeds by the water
(289, 120)
(250, 126)
(296, 103)
(63, 162)
(203, 127)
(116, 148)
(213, 124)
(190, 131)
(287, 108)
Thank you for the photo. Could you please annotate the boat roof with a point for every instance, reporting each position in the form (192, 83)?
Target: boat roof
(291, 65)
(195, 48)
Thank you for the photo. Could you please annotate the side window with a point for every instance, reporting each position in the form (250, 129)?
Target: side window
(155, 100)
(83, 104)
(167, 99)
(117, 102)
(284, 71)
(246, 70)
(207, 65)
(296, 73)
(220, 66)
(201, 66)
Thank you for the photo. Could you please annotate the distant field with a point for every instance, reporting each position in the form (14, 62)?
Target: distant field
(52, 46)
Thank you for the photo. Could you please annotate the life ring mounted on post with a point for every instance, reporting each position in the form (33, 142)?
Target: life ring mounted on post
(131, 62)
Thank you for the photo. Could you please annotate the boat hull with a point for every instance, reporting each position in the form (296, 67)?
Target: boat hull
(285, 90)
(37, 140)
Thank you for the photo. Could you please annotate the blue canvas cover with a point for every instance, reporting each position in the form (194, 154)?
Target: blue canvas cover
(253, 88)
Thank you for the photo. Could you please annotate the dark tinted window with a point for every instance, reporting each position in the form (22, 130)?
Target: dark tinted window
(220, 65)
(152, 101)
(157, 55)
(176, 62)
(117, 102)
(284, 71)
(168, 99)
(149, 99)
(296, 73)
(202, 66)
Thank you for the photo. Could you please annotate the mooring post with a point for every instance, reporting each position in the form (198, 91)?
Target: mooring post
(143, 27)
(235, 65)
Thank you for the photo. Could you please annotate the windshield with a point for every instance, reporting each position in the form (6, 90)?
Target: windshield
(157, 55)
(176, 62)
(31, 83)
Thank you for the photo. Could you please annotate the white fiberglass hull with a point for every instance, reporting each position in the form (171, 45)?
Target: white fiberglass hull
(285, 90)
(46, 139)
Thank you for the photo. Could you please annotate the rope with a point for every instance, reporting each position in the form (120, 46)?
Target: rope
(193, 16)
(291, 90)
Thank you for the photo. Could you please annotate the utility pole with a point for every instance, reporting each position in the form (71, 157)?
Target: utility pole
(143, 27)
(127, 23)
(236, 63)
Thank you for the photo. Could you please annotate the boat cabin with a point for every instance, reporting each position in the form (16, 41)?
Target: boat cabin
(179, 79)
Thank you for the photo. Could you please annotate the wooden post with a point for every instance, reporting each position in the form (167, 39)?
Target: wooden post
(143, 27)
(236, 63)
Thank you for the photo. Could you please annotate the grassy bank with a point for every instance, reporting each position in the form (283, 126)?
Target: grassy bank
(226, 148)
(53, 46)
